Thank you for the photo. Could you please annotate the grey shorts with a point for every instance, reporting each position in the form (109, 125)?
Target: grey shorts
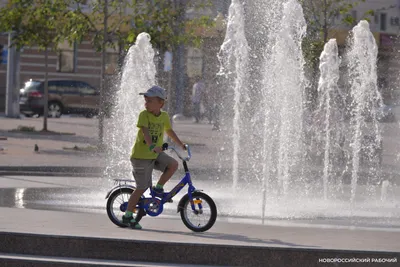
(143, 169)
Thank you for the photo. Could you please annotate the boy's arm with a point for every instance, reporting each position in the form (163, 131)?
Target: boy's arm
(175, 138)
(146, 135)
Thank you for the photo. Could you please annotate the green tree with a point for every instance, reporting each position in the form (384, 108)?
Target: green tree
(104, 24)
(165, 21)
(39, 23)
(118, 22)
(324, 17)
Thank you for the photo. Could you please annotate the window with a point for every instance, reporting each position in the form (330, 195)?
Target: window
(33, 86)
(86, 89)
(383, 21)
(111, 63)
(66, 87)
(395, 21)
(376, 18)
(112, 57)
(66, 58)
(52, 86)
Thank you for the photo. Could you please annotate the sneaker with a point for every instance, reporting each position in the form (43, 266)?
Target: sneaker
(126, 220)
(135, 225)
(129, 221)
(158, 192)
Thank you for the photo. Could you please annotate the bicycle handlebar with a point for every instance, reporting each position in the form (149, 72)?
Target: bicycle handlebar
(165, 147)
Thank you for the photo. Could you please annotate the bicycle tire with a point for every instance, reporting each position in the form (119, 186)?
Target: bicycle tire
(185, 202)
(118, 221)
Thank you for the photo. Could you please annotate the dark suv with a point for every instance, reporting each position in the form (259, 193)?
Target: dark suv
(65, 96)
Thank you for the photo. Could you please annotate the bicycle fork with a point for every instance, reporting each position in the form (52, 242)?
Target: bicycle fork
(193, 202)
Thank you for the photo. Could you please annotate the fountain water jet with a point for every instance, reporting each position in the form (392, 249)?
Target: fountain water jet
(233, 58)
(138, 74)
(366, 98)
(283, 101)
(329, 111)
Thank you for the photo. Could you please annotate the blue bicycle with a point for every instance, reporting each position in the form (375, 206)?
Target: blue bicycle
(197, 209)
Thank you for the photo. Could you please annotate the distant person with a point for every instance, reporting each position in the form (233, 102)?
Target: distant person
(197, 95)
(216, 96)
(208, 103)
(147, 153)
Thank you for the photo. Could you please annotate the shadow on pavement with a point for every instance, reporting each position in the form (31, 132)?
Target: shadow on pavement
(232, 237)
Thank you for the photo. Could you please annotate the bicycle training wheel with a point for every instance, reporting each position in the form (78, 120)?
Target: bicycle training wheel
(203, 217)
(117, 204)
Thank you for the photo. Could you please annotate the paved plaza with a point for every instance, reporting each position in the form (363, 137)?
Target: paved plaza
(46, 207)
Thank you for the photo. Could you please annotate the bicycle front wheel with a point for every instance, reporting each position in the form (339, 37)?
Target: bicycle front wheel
(203, 217)
(117, 204)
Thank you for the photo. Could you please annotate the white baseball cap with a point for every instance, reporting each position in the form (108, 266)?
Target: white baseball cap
(156, 91)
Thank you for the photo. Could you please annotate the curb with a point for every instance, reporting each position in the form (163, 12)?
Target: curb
(49, 174)
(52, 171)
(179, 253)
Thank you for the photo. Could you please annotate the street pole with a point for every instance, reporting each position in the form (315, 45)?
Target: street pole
(46, 89)
(102, 74)
(12, 95)
(179, 60)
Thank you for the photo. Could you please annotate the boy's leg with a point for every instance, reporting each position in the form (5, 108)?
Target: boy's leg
(197, 111)
(142, 170)
(168, 165)
(134, 199)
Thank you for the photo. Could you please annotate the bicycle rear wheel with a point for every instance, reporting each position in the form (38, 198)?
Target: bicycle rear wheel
(117, 204)
(203, 217)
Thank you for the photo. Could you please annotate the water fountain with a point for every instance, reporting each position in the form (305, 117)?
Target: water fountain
(366, 98)
(233, 57)
(138, 74)
(277, 151)
(283, 106)
(329, 115)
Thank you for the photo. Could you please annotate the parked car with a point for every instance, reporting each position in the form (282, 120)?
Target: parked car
(65, 96)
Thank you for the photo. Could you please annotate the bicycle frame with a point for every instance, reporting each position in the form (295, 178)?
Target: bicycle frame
(186, 180)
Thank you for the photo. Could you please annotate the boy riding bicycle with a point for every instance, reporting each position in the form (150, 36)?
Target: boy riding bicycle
(147, 151)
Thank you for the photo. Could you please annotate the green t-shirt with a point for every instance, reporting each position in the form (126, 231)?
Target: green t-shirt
(156, 125)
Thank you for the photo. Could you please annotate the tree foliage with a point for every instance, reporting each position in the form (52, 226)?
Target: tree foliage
(127, 19)
(165, 21)
(42, 23)
(36, 22)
